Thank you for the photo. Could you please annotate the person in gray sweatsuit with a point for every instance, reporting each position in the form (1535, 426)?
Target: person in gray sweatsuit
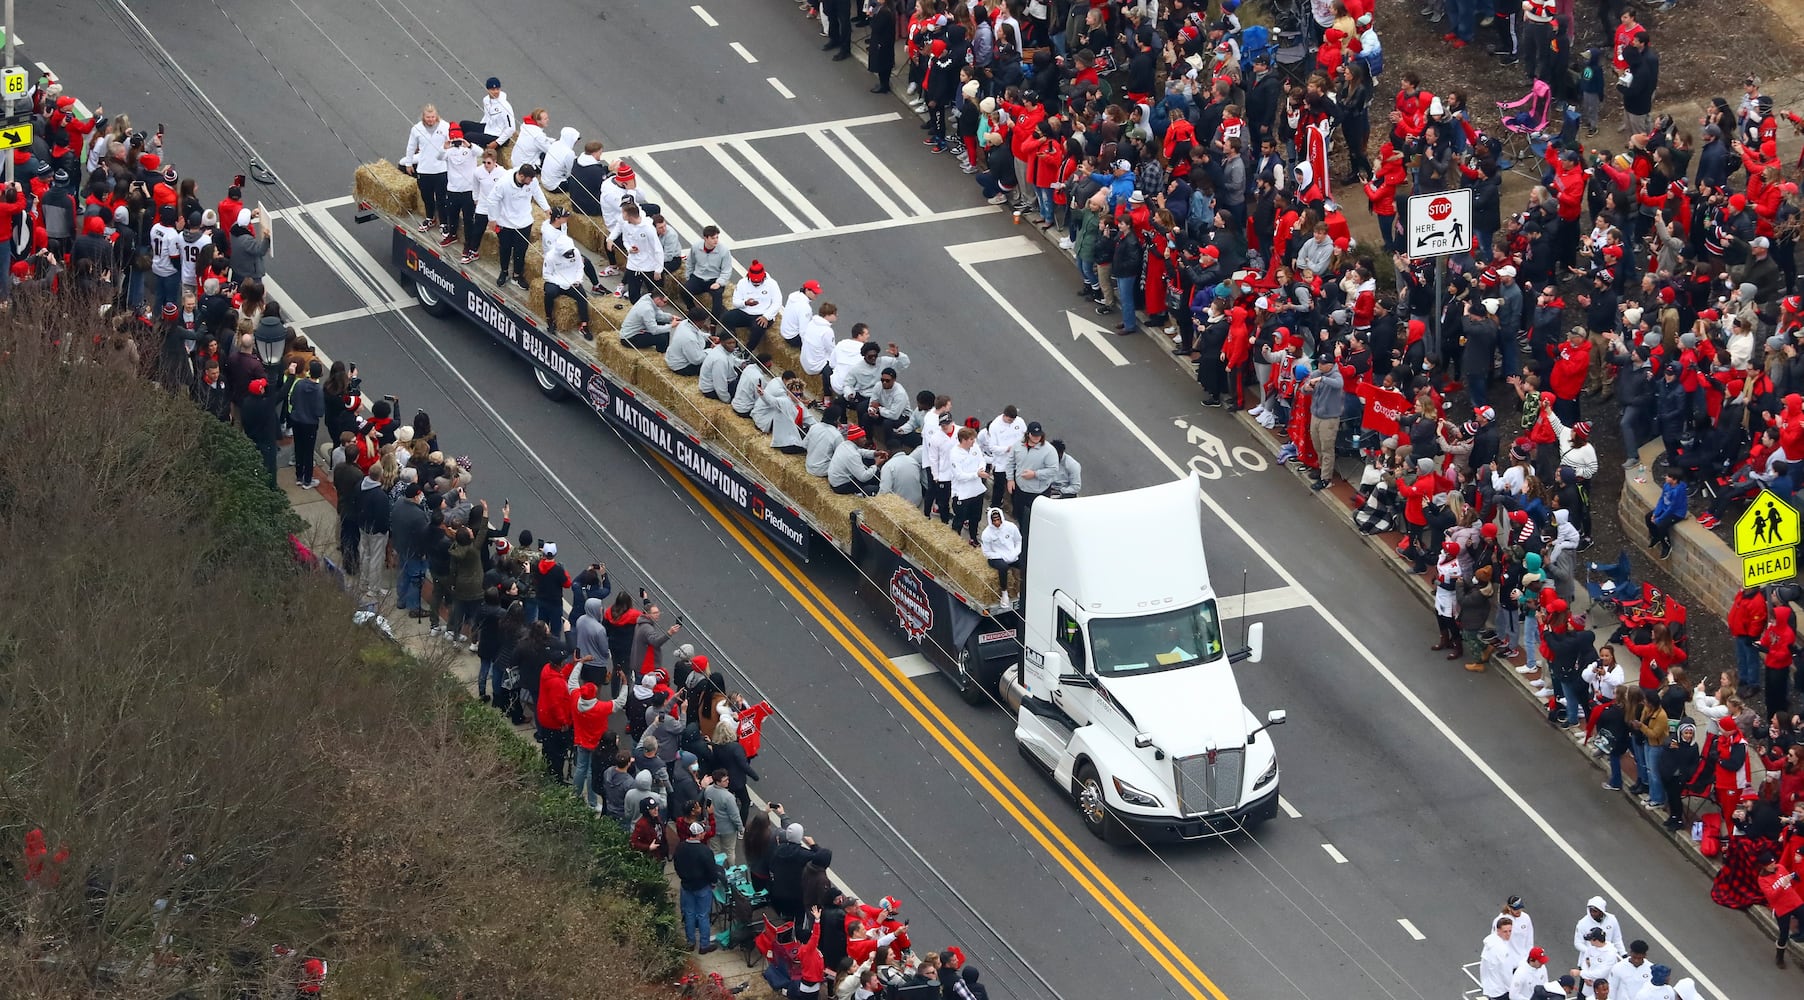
(1033, 468)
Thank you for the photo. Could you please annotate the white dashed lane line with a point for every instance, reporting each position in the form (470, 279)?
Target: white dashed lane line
(744, 53)
(1339, 858)
(1410, 929)
(707, 18)
(787, 95)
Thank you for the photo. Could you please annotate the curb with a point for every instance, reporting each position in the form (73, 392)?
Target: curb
(1757, 914)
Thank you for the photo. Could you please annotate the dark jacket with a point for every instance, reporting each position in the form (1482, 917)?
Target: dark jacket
(466, 571)
(373, 508)
(408, 524)
(695, 865)
(1126, 261)
(786, 864)
(306, 403)
(882, 58)
(1475, 606)
(731, 756)
(1644, 75)
(262, 418)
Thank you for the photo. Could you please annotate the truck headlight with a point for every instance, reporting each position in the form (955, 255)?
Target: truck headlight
(1269, 775)
(1134, 796)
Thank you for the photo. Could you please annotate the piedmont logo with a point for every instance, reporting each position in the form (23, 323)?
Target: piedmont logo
(913, 609)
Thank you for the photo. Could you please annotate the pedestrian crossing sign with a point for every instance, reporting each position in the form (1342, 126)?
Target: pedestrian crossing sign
(1768, 523)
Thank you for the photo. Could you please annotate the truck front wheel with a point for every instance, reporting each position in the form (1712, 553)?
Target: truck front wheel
(1093, 806)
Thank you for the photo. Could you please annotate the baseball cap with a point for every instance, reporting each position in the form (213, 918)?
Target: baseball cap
(1760, 243)
(811, 286)
(551, 549)
(1123, 165)
(1033, 427)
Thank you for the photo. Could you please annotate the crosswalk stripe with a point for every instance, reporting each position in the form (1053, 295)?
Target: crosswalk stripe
(782, 186)
(662, 182)
(881, 170)
(865, 181)
(757, 190)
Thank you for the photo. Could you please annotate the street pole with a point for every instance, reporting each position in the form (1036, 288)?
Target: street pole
(11, 60)
(1440, 284)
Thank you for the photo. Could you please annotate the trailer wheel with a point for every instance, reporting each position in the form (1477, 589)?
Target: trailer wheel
(430, 300)
(1093, 806)
(970, 686)
(554, 392)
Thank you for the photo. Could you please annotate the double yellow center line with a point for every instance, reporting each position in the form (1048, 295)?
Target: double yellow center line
(959, 746)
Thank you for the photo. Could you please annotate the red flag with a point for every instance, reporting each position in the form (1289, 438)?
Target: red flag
(1383, 408)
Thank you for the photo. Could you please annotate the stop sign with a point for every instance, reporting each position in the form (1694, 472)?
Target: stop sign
(1439, 209)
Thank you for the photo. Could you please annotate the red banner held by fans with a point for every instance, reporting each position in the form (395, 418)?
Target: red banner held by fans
(1383, 407)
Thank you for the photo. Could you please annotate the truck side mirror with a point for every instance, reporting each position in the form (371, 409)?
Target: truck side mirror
(1255, 647)
(1276, 717)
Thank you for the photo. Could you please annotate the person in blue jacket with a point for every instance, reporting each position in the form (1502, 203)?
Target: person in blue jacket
(1670, 510)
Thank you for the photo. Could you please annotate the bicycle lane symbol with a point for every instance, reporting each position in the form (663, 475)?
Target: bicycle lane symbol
(1214, 456)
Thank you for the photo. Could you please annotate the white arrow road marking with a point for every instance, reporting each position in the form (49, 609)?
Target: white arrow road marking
(1099, 337)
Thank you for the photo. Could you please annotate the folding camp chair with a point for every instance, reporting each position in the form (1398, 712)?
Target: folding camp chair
(1525, 128)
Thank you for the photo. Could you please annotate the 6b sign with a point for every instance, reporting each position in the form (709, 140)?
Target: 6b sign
(1439, 223)
(14, 82)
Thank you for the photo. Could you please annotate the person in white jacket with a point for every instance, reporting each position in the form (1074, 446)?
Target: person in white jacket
(1596, 958)
(1497, 962)
(425, 161)
(757, 303)
(936, 466)
(489, 173)
(1522, 937)
(563, 271)
(636, 236)
(498, 122)
(1001, 543)
(1530, 976)
(797, 310)
(509, 205)
(560, 157)
(1000, 439)
(462, 161)
(1597, 910)
(817, 340)
(531, 146)
(970, 474)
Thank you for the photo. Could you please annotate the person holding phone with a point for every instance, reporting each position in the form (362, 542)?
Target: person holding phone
(1782, 894)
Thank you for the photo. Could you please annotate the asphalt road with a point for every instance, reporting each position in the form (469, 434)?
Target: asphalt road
(1423, 794)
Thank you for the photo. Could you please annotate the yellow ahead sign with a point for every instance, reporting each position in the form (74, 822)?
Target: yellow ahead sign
(1768, 523)
(1763, 568)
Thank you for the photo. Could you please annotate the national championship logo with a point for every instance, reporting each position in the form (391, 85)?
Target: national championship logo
(598, 393)
(913, 609)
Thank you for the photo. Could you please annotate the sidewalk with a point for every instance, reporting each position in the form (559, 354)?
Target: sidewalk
(1343, 501)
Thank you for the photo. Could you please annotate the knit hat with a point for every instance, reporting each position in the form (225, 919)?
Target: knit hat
(755, 273)
(793, 833)
(623, 172)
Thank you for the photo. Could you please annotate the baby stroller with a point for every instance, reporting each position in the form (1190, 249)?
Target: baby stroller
(736, 904)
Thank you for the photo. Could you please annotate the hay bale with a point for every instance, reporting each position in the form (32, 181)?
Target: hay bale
(737, 435)
(608, 313)
(588, 232)
(720, 420)
(933, 547)
(567, 317)
(888, 515)
(674, 290)
(387, 187)
(675, 394)
(785, 356)
(617, 357)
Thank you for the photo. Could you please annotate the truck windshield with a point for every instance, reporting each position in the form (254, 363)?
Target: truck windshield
(1146, 643)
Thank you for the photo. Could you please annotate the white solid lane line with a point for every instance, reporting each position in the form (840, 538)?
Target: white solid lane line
(773, 81)
(744, 53)
(765, 133)
(1260, 602)
(1410, 929)
(752, 187)
(707, 18)
(969, 254)
(913, 665)
(661, 181)
(781, 185)
(879, 168)
(1339, 858)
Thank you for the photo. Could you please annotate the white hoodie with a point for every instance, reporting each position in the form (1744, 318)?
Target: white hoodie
(532, 144)
(796, 310)
(426, 147)
(1495, 965)
(461, 167)
(498, 117)
(509, 203)
(1003, 542)
(563, 262)
(1612, 929)
(1004, 435)
(761, 298)
(560, 156)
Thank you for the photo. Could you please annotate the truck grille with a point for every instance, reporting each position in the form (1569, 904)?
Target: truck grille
(1205, 787)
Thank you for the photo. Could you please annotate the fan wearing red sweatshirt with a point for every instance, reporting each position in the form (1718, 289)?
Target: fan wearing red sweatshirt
(590, 715)
(553, 712)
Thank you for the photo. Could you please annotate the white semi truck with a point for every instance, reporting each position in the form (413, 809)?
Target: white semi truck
(1125, 694)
